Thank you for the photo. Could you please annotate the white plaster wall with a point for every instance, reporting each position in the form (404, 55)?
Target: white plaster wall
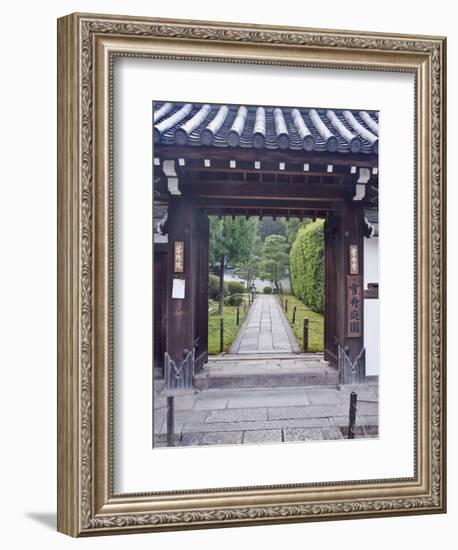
(371, 261)
(371, 307)
(371, 336)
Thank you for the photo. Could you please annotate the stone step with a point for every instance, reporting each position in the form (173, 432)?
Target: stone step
(272, 379)
(227, 357)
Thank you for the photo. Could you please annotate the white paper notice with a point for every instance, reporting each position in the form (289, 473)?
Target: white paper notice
(178, 289)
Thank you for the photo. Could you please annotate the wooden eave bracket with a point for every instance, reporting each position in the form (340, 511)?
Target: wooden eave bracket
(168, 166)
(364, 177)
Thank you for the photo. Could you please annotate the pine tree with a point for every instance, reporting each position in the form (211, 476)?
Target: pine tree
(231, 241)
(274, 259)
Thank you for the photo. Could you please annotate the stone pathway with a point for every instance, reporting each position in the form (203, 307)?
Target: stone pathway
(265, 330)
(266, 415)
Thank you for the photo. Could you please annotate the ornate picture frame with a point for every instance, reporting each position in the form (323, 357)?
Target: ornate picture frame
(87, 46)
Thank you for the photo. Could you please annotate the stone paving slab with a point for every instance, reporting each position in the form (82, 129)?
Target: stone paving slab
(326, 396)
(256, 425)
(208, 404)
(191, 439)
(303, 434)
(237, 415)
(369, 420)
(228, 416)
(312, 411)
(331, 433)
(222, 438)
(268, 397)
(263, 436)
(179, 426)
(161, 440)
(342, 421)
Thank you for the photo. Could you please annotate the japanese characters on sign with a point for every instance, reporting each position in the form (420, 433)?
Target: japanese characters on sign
(354, 269)
(178, 263)
(354, 306)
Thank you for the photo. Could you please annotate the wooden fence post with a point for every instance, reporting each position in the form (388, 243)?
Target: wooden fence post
(221, 335)
(286, 305)
(294, 314)
(352, 416)
(238, 316)
(170, 421)
(305, 337)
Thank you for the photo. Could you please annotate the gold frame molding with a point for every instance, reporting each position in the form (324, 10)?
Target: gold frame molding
(87, 45)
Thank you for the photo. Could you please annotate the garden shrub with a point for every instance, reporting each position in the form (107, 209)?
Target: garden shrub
(267, 290)
(234, 300)
(307, 266)
(213, 287)
(234, 287)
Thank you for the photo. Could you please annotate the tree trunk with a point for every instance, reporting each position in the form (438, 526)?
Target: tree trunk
(221, 285)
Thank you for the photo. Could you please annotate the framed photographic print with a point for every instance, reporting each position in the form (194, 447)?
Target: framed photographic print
(251, 274)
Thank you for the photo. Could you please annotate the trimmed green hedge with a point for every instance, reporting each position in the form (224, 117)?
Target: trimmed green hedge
(307, 266)
(234, 287)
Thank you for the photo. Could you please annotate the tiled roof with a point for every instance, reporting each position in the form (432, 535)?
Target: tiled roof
(261, 127)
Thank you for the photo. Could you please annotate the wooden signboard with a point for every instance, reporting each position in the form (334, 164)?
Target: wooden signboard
(354, 261)
(178, 261)
(354, 305)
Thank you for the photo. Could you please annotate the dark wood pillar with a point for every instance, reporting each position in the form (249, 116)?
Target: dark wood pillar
(331, 309)
(344, 292)
(350, 290)
(180, 319)
(160, 308)
(201, 243)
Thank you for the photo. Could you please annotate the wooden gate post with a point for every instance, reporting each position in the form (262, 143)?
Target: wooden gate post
(180, 301)
(352, 368)
(305, 335)
(344, 292)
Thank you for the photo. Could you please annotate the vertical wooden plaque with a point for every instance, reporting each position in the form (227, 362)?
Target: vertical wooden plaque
(354, 305)
(178, 258)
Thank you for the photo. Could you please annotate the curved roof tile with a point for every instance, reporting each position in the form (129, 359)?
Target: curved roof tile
(266, 127)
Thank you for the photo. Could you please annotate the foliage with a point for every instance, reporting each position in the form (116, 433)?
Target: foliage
(231, 241)
(307, 266)
(248, 270)
(269, 226)
(235, 287)
(230, 328)
(213, 287)
(316, 324)
(274, 259)
(234, 300)
(292, 227)
(267, 290)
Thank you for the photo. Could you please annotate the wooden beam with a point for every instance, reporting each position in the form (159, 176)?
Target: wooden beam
(284, 164)
(271, 155)
(264, 212)
(245, 205)
(325, 171)
(258, 190)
